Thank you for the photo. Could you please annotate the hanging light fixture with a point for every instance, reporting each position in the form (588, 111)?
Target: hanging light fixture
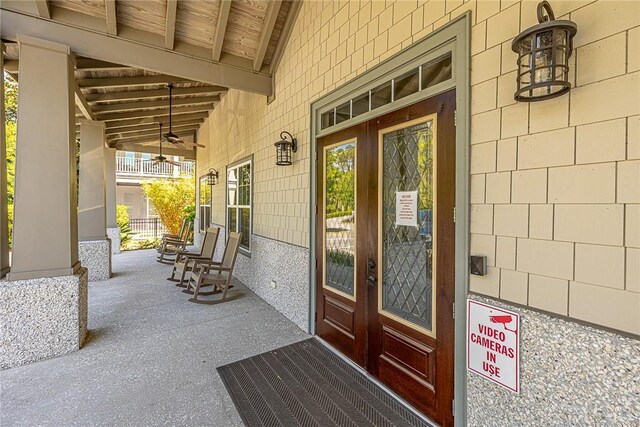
(543, 57)
(212, 177)
(284, 149)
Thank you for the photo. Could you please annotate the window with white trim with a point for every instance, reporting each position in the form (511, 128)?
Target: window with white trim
(204, 202)
(239, 195)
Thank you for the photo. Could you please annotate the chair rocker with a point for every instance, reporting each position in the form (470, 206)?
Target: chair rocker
(185, 261)
(173, 246)
(216, 274)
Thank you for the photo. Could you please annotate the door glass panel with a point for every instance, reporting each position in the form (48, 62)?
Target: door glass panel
(339, 214)
(407, 286)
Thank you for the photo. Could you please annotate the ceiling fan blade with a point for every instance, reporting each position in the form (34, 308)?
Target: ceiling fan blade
(193, 144)
(171, 162)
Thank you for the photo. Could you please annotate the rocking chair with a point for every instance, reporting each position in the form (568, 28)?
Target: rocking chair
(185, 261)
(173, 246)
(218, 274)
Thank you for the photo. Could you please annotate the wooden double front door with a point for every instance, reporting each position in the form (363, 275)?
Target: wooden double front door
(385, 267)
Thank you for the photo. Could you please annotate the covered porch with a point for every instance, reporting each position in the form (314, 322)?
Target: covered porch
(144, 337)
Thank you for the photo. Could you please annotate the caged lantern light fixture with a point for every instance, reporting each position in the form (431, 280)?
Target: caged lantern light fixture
(285, 148)
(212, 177)
(543, 57)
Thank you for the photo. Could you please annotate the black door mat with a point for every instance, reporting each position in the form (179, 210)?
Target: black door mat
(305, 384)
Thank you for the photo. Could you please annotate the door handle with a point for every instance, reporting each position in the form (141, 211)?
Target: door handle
(371, 280)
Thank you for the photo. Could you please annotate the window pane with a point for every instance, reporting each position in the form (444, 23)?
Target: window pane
(436, 71)
(232, 186)
(244, 185)
(343, 112)
(326, 119)
(360, 105)
(232, 220)
(245, 227)
(381, 95)
(406, 84)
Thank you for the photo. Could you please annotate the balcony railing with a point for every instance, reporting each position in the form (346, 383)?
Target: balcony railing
(146, 228)
(141, 167)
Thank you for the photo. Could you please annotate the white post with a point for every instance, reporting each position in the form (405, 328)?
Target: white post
(94, 247)
(45, 300)
(113, 231)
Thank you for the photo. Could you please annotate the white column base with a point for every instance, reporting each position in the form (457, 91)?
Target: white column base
(42, 318)
(95, 256)
(113, 233)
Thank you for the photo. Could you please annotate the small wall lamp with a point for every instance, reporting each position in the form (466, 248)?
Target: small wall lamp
(284, 148)
(543, 57)
(212, 177)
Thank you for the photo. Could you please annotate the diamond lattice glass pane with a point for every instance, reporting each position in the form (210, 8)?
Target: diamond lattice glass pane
(407, 287)
(339, 213)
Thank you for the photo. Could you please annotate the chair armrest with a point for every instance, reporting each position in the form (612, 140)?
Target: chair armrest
(206, 268)
(207, 262)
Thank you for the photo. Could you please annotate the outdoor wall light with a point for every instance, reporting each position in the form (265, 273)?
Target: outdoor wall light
(543, 57)
(284, 148)
(212, 177)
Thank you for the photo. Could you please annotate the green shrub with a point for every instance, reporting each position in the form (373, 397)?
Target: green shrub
(337, 214)
(339, 257)
(122, 220)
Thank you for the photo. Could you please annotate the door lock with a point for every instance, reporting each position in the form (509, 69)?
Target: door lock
(371, 280)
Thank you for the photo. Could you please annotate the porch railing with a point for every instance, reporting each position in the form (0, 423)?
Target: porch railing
(142, 167)
(146, 228)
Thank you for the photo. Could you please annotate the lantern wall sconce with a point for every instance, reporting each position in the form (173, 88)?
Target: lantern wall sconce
(543, 57)
(284, 149)
(212, 177)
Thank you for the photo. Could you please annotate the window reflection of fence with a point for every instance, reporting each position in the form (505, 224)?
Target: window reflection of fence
(146, 228)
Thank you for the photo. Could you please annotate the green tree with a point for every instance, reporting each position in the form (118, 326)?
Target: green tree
(340, 179)
(10, 124)
(170, 197)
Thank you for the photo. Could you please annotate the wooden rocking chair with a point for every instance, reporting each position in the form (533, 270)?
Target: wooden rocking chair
(175, 236)
(173, 246)
(186, 260)
(218, 274)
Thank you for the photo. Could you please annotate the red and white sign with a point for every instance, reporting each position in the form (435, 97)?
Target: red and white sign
(493, 344)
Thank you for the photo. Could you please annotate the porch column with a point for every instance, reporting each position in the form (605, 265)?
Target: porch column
(4, 214)
(113, 231)
(45, 300)
(94, 247)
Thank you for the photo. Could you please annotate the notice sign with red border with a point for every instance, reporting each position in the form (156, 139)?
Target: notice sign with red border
(493, 344)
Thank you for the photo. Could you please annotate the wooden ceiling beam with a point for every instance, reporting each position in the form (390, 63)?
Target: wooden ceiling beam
(43, 8)
(137, 54)
(153, 149)
(151, 132)
(153, 93)
(177, 111)
(285, 34)
(147, 128)
(221, 29)
(265, 35)
(110, 13)
(89, 64)
(82, 104)
(154, 104)
(170, 24)
(163, 118)
(107, 82)
(149, 138)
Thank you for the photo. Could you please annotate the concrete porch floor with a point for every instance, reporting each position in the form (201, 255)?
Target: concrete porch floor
(150, 357)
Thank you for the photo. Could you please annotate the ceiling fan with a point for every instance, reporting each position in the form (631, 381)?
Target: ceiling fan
(172, 137)
(160, 158)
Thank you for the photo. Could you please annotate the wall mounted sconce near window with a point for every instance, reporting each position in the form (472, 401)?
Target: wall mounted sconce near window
(284, 149)
(212, 177)
(543, 57)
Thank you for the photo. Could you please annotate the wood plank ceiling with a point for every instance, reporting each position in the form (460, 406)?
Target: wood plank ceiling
(245, 34)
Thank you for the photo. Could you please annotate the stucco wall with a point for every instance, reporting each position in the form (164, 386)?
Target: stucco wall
(555, 186)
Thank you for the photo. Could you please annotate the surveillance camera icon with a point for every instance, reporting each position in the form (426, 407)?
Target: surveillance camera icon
(504, 320)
